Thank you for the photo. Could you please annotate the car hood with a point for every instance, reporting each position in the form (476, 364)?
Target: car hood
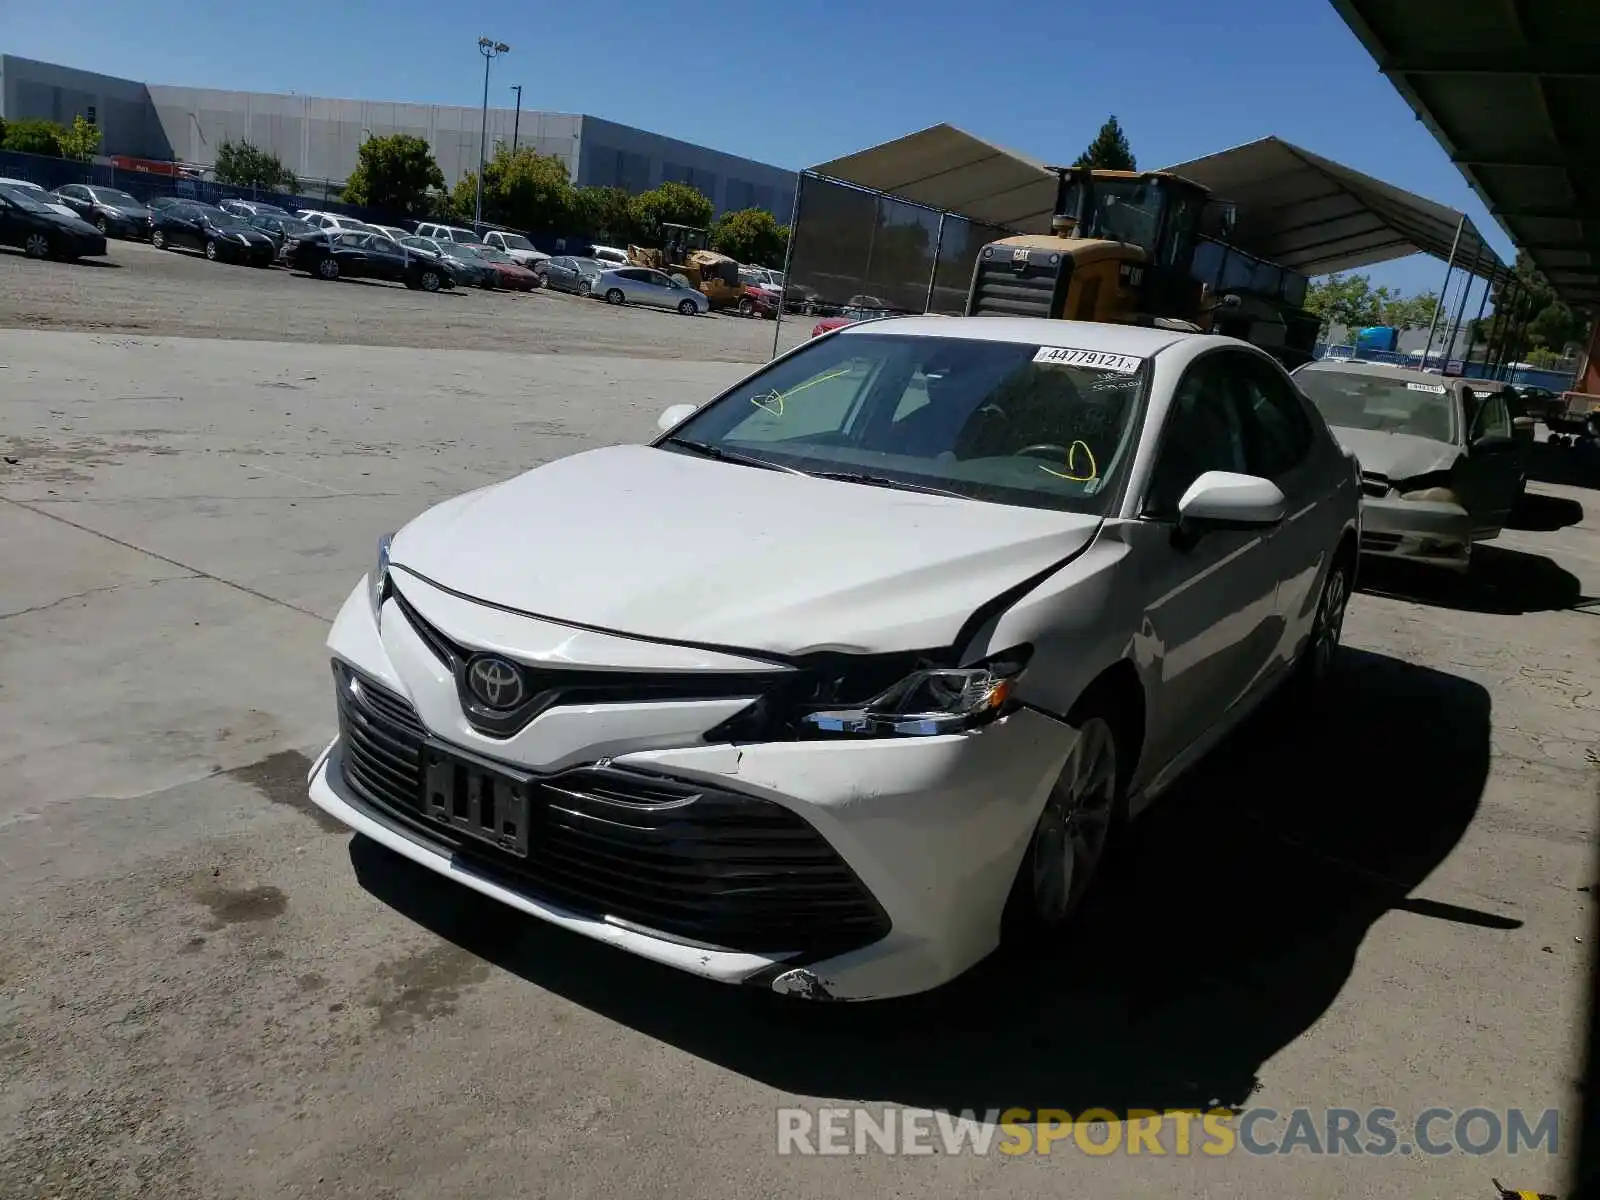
(1396, 455)
(73, 222)
(667, 546)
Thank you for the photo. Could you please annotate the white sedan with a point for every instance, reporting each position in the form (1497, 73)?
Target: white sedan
(857, 668)
(643, 285)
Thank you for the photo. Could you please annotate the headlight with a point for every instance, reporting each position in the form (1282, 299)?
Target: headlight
(378, 577)
(927, 702)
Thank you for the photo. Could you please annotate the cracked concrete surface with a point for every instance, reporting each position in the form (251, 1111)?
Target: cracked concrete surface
(207, 990)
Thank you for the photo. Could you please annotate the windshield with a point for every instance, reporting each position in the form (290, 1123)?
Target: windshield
(515, 241)
(115, 198)
(1354, 400)
(227, 220)
(495, 256)
(293, 228)
(462, 250)
(23, 199)
(973, 418)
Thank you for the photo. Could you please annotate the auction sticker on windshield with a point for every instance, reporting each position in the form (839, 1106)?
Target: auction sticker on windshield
(1432, 388)
(1100, 360)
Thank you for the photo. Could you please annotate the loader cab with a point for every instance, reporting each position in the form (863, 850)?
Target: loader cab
(1120, 248)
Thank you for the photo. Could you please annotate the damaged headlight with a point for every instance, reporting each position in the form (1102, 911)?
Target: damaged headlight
(378, 577)
(927, 702)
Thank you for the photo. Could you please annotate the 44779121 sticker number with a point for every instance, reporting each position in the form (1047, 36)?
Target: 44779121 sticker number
(1099, 360)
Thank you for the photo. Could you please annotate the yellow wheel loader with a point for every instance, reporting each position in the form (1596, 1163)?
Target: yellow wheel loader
(685, 254)
(1128, 248)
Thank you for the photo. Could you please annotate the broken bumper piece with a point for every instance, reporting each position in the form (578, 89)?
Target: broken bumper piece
(1430, 533)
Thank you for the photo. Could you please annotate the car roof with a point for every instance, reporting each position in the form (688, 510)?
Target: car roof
(1140, 341)
(1404, 374)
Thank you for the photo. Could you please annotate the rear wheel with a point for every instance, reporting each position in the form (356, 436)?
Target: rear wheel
(211, 249)
(429, 280)
(689, 308)
(37, 245)
(158, 239)
(615, 296)
(747, 307)
(328, 268)
(100, 224)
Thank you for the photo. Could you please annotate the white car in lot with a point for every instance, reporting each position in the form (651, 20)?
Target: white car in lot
(858, 667)
(645, 285)
(516, 247)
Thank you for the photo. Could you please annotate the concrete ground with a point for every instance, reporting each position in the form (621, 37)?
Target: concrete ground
(206, 991)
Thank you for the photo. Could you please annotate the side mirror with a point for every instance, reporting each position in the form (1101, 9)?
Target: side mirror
(1227, 499)
(674, 416)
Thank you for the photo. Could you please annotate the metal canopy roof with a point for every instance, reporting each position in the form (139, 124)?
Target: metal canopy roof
(1303, 211)
(1296, 208)
(1511, 89)
(947, 168)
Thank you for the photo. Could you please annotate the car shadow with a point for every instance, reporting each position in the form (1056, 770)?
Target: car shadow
(17, 252)
(1502, 581)
(1576, 465)
(1538, 513)
(1224, 929)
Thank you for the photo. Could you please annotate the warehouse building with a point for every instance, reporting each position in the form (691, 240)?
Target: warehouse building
(318, 138)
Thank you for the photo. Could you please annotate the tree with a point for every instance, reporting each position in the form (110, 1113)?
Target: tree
(395, 174)
(1352, 302)
(243, 164)
(604, 214)
(751, 235)
(1534, 309)
(1409, 312)
(675, 203)
(81, 141)
(34, 137)
(1110, 150)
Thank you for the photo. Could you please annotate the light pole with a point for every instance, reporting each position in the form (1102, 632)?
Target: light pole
(487, 47)
(516, 122)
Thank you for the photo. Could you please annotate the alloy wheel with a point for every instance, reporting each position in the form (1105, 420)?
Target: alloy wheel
(211, 251)
(158, 240)
(37, 246)
(1073, 829)
(1329, 626)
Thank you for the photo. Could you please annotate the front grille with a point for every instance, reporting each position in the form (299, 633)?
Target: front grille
(1000, 289)
(687, 860)
(547, 687)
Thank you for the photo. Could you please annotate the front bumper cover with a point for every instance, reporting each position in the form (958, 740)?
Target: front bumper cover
(933, 827)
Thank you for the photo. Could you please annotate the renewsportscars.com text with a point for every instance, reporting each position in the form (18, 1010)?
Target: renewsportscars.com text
(1374, 1132)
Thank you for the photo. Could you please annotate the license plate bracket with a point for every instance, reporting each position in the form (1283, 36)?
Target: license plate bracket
(488, 803)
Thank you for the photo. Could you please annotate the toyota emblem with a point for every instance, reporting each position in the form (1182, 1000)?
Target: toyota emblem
(495, 682)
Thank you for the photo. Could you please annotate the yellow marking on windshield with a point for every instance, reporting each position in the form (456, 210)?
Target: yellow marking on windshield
(1072, 465)
(776, 397)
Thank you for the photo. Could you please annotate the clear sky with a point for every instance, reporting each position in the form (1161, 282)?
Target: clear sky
(798, 84)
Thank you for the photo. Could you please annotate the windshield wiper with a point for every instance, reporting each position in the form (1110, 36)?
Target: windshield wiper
(707, 450)
(884, 481)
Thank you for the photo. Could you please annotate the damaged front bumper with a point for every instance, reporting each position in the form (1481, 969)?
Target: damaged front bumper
(927, 832)
(1428, 532)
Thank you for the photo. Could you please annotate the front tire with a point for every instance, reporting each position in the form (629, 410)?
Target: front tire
(747, 307)
(37, 245)
(211, 249)
(1070, 838)
(328, 268)
(158, 239)
(101, 225)
(615, 296)
(429, 281)
(689, 308)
